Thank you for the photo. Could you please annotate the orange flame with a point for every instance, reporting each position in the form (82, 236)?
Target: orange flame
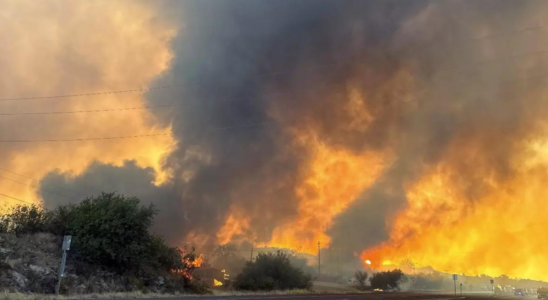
(198, 261)
(325, 192)
(499, 232)
(217, 282)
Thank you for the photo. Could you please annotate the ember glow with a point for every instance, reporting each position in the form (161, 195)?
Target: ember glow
(198, 261)
(217, 283)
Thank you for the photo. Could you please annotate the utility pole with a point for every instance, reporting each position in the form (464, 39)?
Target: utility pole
(340, 260)
(455, 282)
(251, 257)
(65, 247)
(319, 260)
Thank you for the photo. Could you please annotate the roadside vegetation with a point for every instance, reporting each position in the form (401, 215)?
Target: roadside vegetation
(111, 233)
(389, 280)
(386, 281)
(361, 280)
(272, 271)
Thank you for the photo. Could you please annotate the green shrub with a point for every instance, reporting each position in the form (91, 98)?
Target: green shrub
(24, 220)
(110, 230)
(388, 280)
(361, 279)
(272, 271)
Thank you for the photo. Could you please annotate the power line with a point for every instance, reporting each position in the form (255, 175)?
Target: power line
(214, 129)
(38, 181)
(250, 125)
(136, 108)
(543, 75)
(17, 199)
(34, 185)
(92, 94)
(85, 139)
(473, 63)
(179, 85)
(89, 111)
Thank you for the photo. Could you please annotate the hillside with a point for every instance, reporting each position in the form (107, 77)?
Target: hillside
(30, 263)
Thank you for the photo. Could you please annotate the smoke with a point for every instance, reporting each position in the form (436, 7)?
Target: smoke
(57, 48)
(254, 88)
(359, 124)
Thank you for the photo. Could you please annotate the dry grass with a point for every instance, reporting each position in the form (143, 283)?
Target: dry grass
(130, 295)
(139, 295)
(241, 293)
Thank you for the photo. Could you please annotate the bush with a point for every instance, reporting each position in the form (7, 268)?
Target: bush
(24, 220)
(228, 258)
(387, 280)
(361, 279)
(108, 230)
(272, 271)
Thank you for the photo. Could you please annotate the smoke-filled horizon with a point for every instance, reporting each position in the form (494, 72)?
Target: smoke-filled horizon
(392, 130)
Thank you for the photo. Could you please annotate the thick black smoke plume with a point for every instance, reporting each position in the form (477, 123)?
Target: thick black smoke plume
(252, 70)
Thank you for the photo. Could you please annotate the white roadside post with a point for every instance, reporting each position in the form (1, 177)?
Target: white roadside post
(66, 247)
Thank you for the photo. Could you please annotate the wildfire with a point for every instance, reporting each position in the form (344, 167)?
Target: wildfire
(197, 261)
(217, 282)
(325, 192)
(191, 264)
(441, 228)
(475, 204)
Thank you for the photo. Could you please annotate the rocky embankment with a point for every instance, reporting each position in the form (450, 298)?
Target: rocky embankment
(30, 264)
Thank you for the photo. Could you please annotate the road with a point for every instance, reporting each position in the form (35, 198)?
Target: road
(369, 296)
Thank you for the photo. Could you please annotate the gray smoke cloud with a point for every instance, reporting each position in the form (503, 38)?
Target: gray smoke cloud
(240, 61)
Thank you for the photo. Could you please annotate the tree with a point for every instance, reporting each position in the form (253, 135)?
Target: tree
(272, 271)
(361, 279)
(225, 251)
(110, 230)
(24, 220)
(227, 257)
(387, 280)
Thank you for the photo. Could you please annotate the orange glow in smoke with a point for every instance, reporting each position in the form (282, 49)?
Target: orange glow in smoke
(498, 232)
(55, 48)
(325, 193)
